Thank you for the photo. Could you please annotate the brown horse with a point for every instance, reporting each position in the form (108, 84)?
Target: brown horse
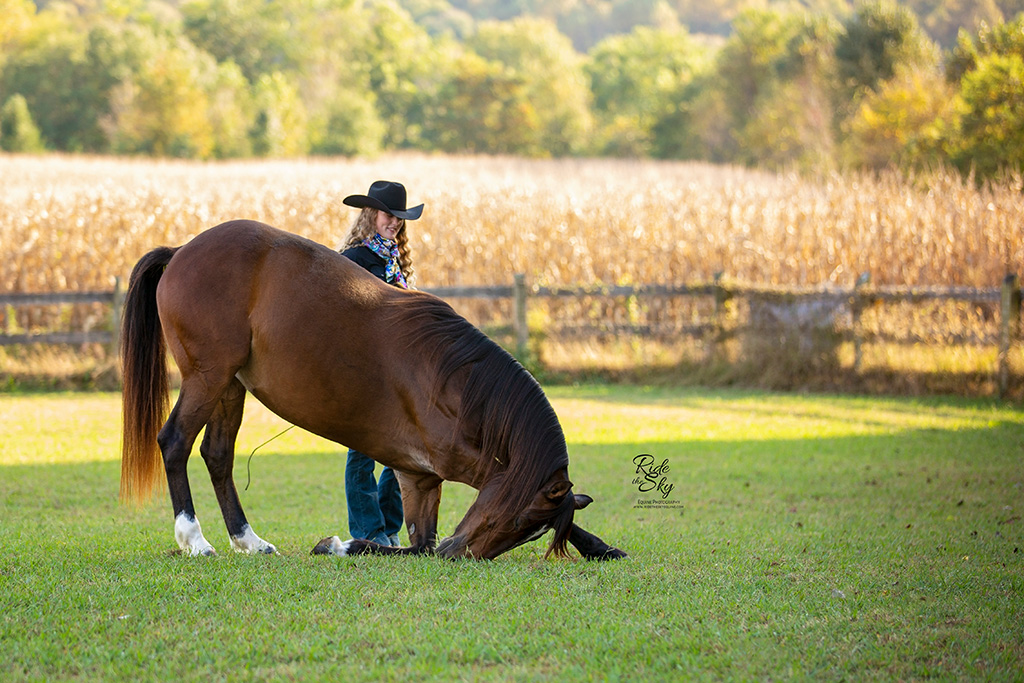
(393, 373)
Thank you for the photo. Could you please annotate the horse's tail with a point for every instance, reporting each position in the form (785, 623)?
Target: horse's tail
(145, 396)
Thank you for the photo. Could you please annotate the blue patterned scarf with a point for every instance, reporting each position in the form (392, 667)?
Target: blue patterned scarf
(387, 250)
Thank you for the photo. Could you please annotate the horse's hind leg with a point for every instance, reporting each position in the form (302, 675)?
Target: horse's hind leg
(193, 409)
(218, 450)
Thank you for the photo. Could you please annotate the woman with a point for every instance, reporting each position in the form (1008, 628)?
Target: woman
(378, 242)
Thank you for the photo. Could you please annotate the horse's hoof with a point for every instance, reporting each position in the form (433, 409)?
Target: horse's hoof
(249, 543)
(610, 554)
(613, 554)
(331, 545)
(207, 552)
(323, 547)
(453, 548)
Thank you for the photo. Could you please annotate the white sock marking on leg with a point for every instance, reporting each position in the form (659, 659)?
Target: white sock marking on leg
(249, 542)
(189, 536)
(339, 547)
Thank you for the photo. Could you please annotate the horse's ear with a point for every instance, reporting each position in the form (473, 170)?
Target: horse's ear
(582, 500)
(558, 490)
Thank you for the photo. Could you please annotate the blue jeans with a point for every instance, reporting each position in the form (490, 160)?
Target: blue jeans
(374, 508)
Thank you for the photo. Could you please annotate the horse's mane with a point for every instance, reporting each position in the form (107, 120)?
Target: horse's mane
(503, 408)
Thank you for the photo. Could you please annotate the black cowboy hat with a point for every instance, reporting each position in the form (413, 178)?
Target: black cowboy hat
(385, 195)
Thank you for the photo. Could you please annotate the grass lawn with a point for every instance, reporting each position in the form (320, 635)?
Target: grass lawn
(812, 537)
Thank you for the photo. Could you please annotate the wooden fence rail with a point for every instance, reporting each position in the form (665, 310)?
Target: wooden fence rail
(114, 299)
(714, 331)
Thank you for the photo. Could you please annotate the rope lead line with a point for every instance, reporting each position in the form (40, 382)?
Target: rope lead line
(248, 476)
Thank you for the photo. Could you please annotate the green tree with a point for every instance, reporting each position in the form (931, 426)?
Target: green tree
(52, 74)
(484, 107)
(637, 81)
(115, 54)
(279, 128)
(260, 37)
(878, 38)
(535, 57)
(404, 70)
(790, 126)
(154, 92)
(996, 39)
(231, 112)
(352, 127)
(347, 70)
(748, 66)
(19, 16)
(333, 80)
(774, 78)
(792, 120)
(18, 133)
(991, 123)
(903, 121)
(698, 126)
(81, 76)
(163, 109)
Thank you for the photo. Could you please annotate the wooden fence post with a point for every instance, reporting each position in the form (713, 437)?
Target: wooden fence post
(519, 324)
(717, 332)
(1009, 315)
(116, 306)
(858, 307)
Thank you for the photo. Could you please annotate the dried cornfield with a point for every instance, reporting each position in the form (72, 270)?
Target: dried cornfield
(75, 223)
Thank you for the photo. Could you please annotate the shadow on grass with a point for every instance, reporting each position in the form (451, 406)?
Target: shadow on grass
(933, 477)
(888, 556)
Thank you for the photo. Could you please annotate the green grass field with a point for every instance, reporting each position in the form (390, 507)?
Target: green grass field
(807, 537)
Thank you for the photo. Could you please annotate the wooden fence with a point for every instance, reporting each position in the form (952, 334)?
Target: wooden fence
(805, 311)
(114, 299)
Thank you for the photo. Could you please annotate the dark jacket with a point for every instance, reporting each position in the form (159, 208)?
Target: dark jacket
(365, 257)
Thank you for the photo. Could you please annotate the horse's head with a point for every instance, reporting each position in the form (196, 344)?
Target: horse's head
(483, 534)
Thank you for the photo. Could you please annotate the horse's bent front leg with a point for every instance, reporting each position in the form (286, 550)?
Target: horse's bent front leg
(477, 524)
(421, 498)
(591, 547)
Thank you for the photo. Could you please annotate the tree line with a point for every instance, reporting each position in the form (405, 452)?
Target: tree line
(228, 78)
(586, 22)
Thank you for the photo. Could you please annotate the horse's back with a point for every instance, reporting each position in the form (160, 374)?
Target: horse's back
(231, 254)
(217, 265)
(244, 265)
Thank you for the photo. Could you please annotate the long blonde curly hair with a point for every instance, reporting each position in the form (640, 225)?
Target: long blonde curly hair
(365, 226)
